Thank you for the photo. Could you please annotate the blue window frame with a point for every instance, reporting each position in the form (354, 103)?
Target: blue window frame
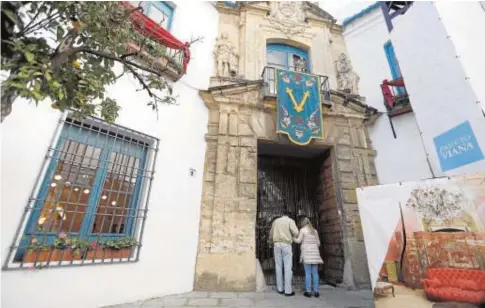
(160, 12)
(92, 185)
(287, 57)
(231, 3)
(393, 64)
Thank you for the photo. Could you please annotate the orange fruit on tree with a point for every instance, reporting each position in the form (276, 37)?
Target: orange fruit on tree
(76, 64)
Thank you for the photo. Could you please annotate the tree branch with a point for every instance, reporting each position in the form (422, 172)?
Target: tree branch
(117, 59)
(40, 24)
(145, 87)
(129, 55)
(34, 18)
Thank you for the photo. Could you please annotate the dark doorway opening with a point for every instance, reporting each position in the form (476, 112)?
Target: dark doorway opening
(288, 179)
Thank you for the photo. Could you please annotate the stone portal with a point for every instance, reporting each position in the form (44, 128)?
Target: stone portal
(238, 118)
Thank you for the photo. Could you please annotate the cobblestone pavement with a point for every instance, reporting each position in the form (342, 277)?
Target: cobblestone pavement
(331, 298)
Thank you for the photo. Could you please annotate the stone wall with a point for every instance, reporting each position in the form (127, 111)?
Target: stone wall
(238, 118)
(226, 254)
(330, 222)
(250, 27)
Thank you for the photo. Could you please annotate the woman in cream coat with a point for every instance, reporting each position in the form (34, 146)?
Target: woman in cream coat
(310, 256)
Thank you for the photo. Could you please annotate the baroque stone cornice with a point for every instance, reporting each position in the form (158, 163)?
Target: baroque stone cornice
(249, 94)
(244, 94)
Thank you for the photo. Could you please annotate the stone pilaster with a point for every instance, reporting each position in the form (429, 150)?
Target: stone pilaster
(226, 256)
(354, 162)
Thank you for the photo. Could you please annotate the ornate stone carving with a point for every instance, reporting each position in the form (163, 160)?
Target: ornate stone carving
(347, 79)
(226, 57)
(288, 17)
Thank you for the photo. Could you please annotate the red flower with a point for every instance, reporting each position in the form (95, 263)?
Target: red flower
(94, 244)
(299, 120)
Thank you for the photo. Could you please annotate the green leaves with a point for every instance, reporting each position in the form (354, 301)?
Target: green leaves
(60, 33)
(117, 244)
(77, 80)
(12, 16)
(29, 56)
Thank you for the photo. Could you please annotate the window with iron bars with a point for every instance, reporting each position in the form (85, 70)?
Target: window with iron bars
(91, 200)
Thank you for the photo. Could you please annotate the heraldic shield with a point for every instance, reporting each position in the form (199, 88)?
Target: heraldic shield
(299, 107)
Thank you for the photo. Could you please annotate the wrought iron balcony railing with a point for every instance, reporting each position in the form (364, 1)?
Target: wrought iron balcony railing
(396, 98)
(176, 54)
(269, 79)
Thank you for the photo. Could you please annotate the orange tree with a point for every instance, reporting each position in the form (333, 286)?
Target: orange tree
(65, 52)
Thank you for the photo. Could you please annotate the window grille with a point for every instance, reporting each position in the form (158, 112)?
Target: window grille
(159, 11)
(91, 199)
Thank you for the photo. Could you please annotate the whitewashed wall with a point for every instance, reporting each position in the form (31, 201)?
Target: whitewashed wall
(403, 158)
(167, 259)
(465, 25)
(441, 95)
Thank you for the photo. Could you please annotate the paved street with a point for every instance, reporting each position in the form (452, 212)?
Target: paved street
(331, 298)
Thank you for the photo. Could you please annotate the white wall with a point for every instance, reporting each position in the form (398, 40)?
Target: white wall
(465, 24)
(403, 158)
(167, 259)
(435, 78)
(365, 38)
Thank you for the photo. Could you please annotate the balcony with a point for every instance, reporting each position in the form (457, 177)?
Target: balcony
(174, 56)
(396, 98)
(269, 79)
(171, 63)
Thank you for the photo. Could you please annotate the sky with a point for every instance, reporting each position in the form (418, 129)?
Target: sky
(342, 9)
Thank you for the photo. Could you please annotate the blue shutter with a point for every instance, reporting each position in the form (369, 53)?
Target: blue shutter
(288, 51)
(393, 64)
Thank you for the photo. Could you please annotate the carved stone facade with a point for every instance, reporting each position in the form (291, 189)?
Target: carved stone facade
(288, 17)
(250, 27)
(240, 117)
(347, 79)
(226, 57)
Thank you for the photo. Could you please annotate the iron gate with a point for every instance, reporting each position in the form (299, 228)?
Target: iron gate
(284, 183)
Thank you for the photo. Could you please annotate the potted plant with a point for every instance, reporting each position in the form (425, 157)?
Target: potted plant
(37, 251)
(61, 248)
(118, 248)
(79, 247)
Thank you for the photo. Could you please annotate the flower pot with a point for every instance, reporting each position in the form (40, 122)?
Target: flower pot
(95, 253)
(121, 253)
(102, 253)
(43, 255)
(36, 255)
(62, 255)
